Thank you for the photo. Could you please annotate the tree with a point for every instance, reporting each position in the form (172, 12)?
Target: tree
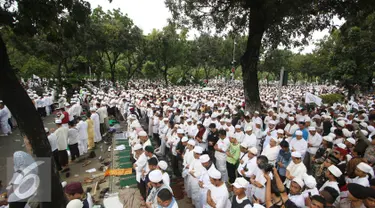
(28, 18)
(273, 22)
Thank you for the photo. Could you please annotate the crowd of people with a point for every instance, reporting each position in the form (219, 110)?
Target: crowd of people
(296, 154)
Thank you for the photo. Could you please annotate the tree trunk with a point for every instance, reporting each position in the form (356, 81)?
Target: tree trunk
(29, 121)
(249, 61)
(113, 74)
(59, 79)
(165, 74)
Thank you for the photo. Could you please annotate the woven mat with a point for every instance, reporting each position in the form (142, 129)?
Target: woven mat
(130, 181)
(125, 165)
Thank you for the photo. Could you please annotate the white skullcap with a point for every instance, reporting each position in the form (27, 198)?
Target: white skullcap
(307, 119)
(363, 124)
(346, 133)
(342, 145)
(364, 167)
(142, 133)
(256, 112)
(58, 121)
(364, 132)
(341, 123)
(296, 154)
(371, 129)
(163, 165)
(291, 118)
(189, 120)
(299, 181)
(207, 114)
(191, 142)
(244, 145)
(204, 158)
(335, 171)
(240, 183)
(258, 121)
(309, 181)
(332, 135)
(198, 149)
(274, 139)
(165, 119)
(351, 140)
(237, 127)
(271, 122)
(280, 131)
(214, 173)
(311, 128)
(248, 128)
(328, 138)
(92, 109)
(75, 203)
(46, 130)
(137, 147)
(299, 133)
(67, 104)
(253, 150)
(155, 176)
(180, 131)
(184, 139)
(228, 120)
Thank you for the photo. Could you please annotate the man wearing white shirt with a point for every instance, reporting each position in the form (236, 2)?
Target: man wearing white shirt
(195, 171)
(295, 169)
(55, 152)
(271, 151)
(314, 140)
(298, 144)
(62, 143)
(204, 180)
(217, 195)
(290, 128)
(221, 148)
(238, 134)
(269, 133)
(83, 136)
(249, 138)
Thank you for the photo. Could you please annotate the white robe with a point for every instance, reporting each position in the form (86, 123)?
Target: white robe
(221, 157)
(82, 137)
(271, 153)
(299, 146)
(220, 196)
(95, 118)
(296, 170)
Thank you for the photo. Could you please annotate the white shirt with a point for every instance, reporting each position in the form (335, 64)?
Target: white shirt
(72, 136)
(220, 196)
(166, 179)
(361, 181)
(296, 170)
(141, 163)
(244, 157)
(250, 140)
(82, 130)
(239, 136)
(315, 141)
(298, 200)
(271, 153)
(53, 141)
(299, 146)
(62, 138)
(332, 184)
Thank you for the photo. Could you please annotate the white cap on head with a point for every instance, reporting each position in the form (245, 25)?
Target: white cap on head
(271, 122)
(341, 145)
(198, 149)
(351, 140)
(280, 131)
(180, 131)
(75, 203)
(299, 133)
(142, 133)
(237, 127)
(311, 128)
(191, 142)
(309, 181)
(291, 118)
(299, 181)
(296, 154)
(92, 109)
(253, 150)
(363, 124)
(240, 182)
(155, 176)
(58, 121)
(184, 139)
(328, 138)
(335, 171)
(364, 167)
(332, 135)
(137, 147)
(248, 128)
(244, 145)
(214, 173)
(46, 130)
(204, 158)
(163, 165)
(341, 123)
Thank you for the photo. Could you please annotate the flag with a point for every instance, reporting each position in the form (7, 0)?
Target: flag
(310, 98)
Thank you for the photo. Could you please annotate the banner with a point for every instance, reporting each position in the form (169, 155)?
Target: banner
(310, 98)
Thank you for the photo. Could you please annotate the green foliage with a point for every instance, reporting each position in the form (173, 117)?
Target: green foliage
(332, 98)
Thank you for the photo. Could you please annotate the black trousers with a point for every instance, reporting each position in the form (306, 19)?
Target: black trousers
(42, 112)
(142, 189)
(157, 139)
(231, 169)
(56, 159)
(175, 168)
(74, 151)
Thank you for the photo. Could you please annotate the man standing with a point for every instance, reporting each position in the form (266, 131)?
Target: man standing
(55, 152)
(73, 140)
(103, 116)
(156, 179)
(95, 120)
(62, 142)
(4, 116)
(217, 195)
(82, 135)
(221, 148)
